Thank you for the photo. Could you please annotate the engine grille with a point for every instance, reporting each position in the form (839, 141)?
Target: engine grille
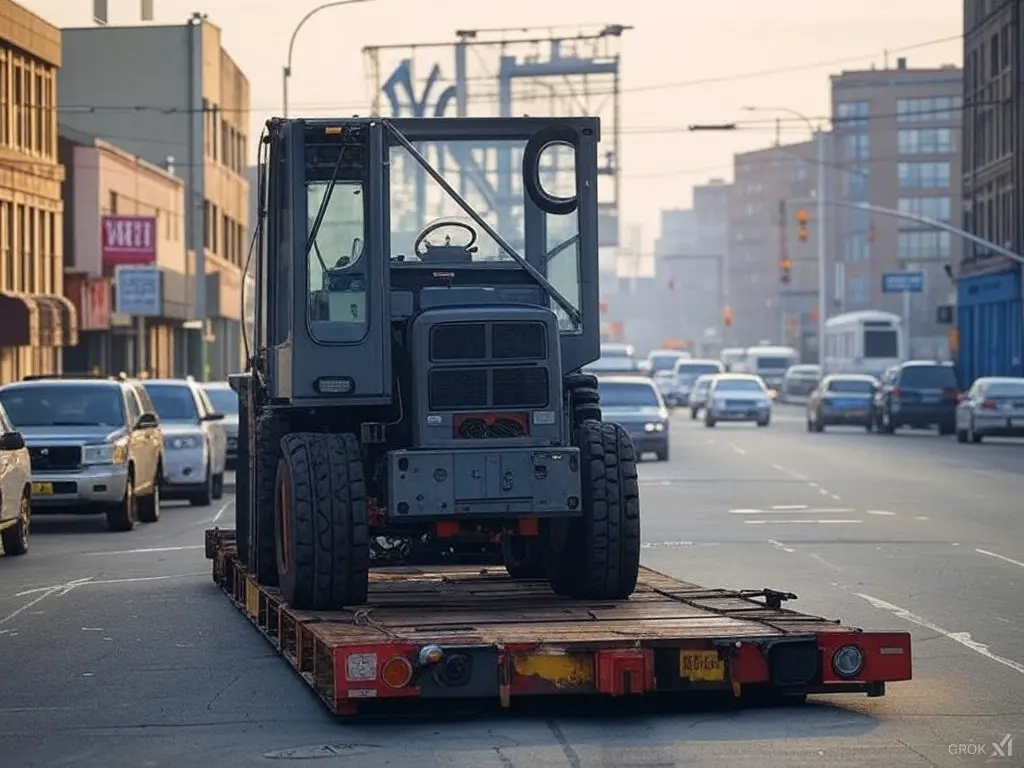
(458, 341)
(518, 341)
(454, 389)
(450, 342)
(55, 457)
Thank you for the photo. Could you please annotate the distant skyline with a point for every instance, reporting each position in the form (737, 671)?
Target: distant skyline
(678, 68)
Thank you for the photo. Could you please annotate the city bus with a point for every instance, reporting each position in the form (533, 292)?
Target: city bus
(866, 341)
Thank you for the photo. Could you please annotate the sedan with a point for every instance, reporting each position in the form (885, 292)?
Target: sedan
(738, 397)
(842, 399)
(15, 489)
(993, 407)
(636, 405)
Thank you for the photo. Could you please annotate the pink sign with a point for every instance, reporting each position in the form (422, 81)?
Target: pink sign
(128, 240)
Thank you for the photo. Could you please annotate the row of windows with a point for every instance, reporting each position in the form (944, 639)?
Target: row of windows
(856, 146)
(990, 59)
(855, 184)
(925, 245)
(926, 141)
(936, 109)
(860, 292)
(857, 246)
(924, 175)
(992, 214)
(28, 105)
(224, 143)
(853, 113)
(223, 235)
(939, 208)
(989, 131)
(29, 239)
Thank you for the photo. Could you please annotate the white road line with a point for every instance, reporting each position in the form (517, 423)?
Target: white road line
(800, 522)
(796, 475)
(921, 517)
(224, 508)
(822, 561)
(963, 638)
(791, 511)
(779, 545)
(1004, 558)
(834, 497)
(777, 467)
(65, 588)
(144, 551)
(881, 513)
(746, 511)
(737, 449)
(790, 506)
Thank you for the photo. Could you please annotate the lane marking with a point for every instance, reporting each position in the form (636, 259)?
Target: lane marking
(792, 511)
(822, 561)
(64, 589)
(737, 449)
(834, 497)
(962, 638)
(1004, 558)
(921, 517)
(779, 545)
(800, 522)
(789, 506)
(144, 550)
(780, 469)
(881, 513)
(222, 510)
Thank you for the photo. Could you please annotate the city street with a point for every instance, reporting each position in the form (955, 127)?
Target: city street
(118, 650)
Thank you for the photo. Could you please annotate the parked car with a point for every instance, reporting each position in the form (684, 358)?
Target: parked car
(15, 489)
(195, 441)
(992, 407)
(918, 394)
(225, 400)
(738, 397)
(635, 403)
(94, 444)
(843, 399)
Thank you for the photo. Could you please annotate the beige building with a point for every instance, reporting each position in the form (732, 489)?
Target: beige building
(37, 321)
(102, 179)
(184, 108)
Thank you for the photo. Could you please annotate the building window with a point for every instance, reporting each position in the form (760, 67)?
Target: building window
(924, 175)
(925, 245)
(939, 208)
(853, 113)
(939, 109)
(856, 146)
(860, 294)
(856, 247)
(207, 215)
(926, 141)
(855, 184)
(113, 202)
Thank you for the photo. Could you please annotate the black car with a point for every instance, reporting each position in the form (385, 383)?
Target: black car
(842, 400)
(919, 394)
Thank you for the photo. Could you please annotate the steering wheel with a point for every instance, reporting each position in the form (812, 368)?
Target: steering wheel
(421, 247)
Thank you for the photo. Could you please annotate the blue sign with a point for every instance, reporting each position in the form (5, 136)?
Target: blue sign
(138, 291)
(903, 282)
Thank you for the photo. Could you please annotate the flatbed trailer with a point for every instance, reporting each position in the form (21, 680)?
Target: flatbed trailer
(466, 632)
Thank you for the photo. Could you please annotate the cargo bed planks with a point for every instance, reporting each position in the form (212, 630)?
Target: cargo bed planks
(466, 632)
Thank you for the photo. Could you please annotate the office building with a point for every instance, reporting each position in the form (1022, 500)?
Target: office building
(37, 320)
(172, 96)
(770, 186)
(990, 324)
(896, 145)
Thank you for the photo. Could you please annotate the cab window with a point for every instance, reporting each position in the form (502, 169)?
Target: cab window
(336, 267)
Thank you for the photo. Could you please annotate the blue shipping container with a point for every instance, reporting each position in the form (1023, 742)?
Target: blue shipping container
(990, 326)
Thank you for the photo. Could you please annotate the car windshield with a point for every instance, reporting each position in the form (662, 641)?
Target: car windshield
(739, 385)
(663, 362)
(173, 402)
(928, 377)
(620, 394)
(851, 386)
(64, 405)
(805, 373)
(224, 399)
(772, 363)
(612, 364)
(702, 385)
(686, 371)
(1005, 389)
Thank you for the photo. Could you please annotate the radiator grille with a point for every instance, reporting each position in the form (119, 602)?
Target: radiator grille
(450, 389)
(518, 341)
(520, 387)
(55, 457)
(458, 341)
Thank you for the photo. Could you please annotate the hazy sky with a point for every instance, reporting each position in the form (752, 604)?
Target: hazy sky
(672, 44)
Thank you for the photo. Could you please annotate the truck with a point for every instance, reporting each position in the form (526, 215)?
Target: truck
(415, 376)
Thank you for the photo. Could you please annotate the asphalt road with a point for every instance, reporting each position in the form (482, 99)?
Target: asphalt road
(117, 649)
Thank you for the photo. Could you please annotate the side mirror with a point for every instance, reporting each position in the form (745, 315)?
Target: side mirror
(12, 441)
(147, 421)
(215, 416)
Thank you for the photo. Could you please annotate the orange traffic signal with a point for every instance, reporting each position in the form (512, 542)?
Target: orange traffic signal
(787, 267)
(802, 219)
(727, 316)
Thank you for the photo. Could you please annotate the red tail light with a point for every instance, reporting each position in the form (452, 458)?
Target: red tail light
(988, 405)
(952, 394)
(896, 391)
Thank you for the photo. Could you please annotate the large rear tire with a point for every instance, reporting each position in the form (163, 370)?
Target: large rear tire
(599, 557)
(323, 547)
(266, 453)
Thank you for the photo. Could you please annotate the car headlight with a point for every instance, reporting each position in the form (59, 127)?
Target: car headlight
(182, 442)
(654, 426)
(105, 453)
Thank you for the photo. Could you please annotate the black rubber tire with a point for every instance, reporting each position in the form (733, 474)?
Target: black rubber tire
(270, 429)
(585, 398)
(600, 557)
(523, 557)
(204, 497)
(764, 423)
(322, 522)
(122, 517)
(15, 539)
(694, 413)
(818, 426)
(664, 455)
(218, 486)
(149, 506)
(242, 483)
(574, 381)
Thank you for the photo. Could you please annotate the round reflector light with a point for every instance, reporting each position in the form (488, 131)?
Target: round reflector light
(848, 661)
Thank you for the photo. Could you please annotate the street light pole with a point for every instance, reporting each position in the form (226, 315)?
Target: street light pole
(291, 46)
(821, 234)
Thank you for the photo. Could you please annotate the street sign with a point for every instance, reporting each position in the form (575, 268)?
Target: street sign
(138, 291)
(903, 282)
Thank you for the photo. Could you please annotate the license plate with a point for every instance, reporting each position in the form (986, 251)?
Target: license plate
(42, 489)
(701, 666)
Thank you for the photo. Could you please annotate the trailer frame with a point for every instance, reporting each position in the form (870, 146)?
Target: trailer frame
(469, 632)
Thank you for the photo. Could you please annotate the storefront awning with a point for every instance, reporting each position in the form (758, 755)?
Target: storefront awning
(58, 320)
(20, 324)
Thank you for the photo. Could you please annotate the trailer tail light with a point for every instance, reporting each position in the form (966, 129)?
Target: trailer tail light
(848, 661)
(989, 405)
(397, 672)
(490, 426)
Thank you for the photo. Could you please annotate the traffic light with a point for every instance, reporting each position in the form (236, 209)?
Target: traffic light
(802, 219)
(727, 316)
(787, 267)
